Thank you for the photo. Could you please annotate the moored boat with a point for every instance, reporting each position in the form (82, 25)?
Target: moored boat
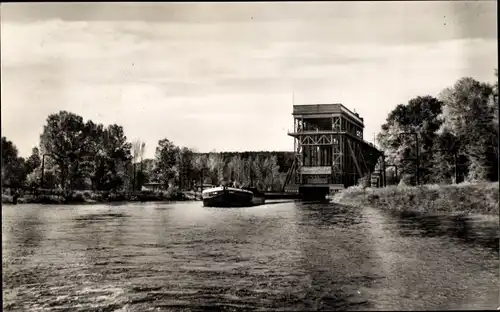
(231, 197)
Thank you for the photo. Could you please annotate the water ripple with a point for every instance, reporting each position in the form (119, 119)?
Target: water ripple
(287, 256)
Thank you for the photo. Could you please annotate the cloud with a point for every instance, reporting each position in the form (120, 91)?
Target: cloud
(233, 77)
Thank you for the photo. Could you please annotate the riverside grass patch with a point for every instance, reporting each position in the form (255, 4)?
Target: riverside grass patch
(464, 198)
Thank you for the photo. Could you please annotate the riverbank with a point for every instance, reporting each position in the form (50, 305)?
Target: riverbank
(464, 198)
(89, 197)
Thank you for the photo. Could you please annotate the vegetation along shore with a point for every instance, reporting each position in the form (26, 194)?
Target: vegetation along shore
(463, 198)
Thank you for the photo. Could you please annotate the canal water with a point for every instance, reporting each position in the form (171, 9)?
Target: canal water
(286, 256)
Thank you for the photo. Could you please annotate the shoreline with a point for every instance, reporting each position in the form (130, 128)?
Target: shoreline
(456, 199)
(70, 203)
(97, 198)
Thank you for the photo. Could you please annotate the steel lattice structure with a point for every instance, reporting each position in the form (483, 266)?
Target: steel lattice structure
(330, 152)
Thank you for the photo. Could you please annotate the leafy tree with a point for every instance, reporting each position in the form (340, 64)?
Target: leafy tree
(236, 167)
(249, 172)
(107, 159)
(13, 166)
(50, 178)
(145, 173)
(97, 168)
(86, 154)
(272, 168)
(493, 105)
(443, 163)
(34, 161)
(184, 167)
(200, 167)
(216, 166)
(259, 172)
(116, 152)
(166, 160)
(421, 116)
(138, 150)
(64, 138)
(469, 115)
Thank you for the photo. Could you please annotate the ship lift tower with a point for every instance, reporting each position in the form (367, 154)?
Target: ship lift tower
(330, 153)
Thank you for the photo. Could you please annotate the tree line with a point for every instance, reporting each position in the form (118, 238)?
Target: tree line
(457, 134)
(74, 154)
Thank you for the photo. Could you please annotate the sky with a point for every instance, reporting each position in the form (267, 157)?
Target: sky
(225, 76)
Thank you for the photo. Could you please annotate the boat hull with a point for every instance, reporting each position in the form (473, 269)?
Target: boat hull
(230, 197)
(227, 199)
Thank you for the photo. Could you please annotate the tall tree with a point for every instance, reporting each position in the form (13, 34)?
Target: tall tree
(117, 152)
(235, 167)
(216, 166)
(138, 150)
(469, 115)
(13, 166)
(446, 146)
(185, 167)
(141, 177)
(200, 167)
(166, 159)
(65, 140)
(420, 116)
(96, 164)
(259, 172)
(34, 161)
(273, 181)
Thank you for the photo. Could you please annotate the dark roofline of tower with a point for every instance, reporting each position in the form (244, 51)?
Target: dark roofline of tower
(340, 104)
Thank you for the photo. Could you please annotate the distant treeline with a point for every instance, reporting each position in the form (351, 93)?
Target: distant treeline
(284, 159)
(82, 155)
(457, 135)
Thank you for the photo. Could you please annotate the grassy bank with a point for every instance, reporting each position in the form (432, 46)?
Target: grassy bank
(464, 198)
(90, 197)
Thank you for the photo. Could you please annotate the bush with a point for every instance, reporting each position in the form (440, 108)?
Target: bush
(172, 192)
(43, 199)
(364, 182)
(7, 199)
(116, 197)
(77, 197)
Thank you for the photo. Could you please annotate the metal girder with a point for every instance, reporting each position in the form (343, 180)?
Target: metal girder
(353, 155)
(298, 162)
(363, 159)
(315, 139)
(289, 174)
(336, 124)
(337, 159)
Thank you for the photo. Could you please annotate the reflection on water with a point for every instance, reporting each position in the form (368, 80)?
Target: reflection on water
(286, 255)
(466, 228)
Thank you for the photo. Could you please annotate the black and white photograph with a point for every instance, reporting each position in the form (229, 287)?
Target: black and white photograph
(250, 156)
